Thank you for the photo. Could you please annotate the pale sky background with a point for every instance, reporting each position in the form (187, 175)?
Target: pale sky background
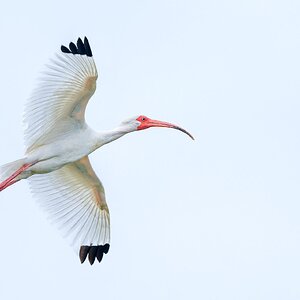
(216, 218)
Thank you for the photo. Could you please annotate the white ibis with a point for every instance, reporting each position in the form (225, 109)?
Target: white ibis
(58, 142)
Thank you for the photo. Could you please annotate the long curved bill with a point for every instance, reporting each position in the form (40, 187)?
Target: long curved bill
(156, 123)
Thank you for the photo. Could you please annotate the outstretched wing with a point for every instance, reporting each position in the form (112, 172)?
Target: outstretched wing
(74, 198)
(58, 104)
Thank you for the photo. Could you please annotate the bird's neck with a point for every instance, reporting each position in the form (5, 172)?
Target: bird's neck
(105, 137)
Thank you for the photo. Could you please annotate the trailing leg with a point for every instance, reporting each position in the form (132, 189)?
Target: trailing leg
(15, 169)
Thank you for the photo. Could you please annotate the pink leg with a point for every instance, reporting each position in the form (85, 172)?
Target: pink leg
(8, 184)
(10, 180)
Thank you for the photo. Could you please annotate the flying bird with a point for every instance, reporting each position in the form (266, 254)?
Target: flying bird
(58, 142)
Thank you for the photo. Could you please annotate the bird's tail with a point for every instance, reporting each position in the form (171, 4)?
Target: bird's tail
(9, 172)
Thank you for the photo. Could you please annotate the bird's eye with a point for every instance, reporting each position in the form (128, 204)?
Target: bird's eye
(143, 119)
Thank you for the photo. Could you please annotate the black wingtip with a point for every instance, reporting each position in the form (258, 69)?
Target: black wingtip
(106, 248)
(83, 252)
(99, 254)
(93, 252)
(87, 47)
(82, 48)
(64, 49)
(73, 48)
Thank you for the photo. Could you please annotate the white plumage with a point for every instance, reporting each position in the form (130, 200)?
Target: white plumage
(58, 142)
(74, 198)
(58, 105)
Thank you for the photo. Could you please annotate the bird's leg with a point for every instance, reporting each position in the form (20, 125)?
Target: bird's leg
(8, 184)
(10, 180)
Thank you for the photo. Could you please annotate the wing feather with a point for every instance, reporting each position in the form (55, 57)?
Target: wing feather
(74, 198)
(60, 100)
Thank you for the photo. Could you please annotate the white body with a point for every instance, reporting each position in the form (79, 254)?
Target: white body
(72, 147)
(77, 144)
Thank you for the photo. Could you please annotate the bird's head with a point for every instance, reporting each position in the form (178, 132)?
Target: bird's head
(143, 122)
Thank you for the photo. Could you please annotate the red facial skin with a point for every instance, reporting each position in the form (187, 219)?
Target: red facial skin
(147, 123)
